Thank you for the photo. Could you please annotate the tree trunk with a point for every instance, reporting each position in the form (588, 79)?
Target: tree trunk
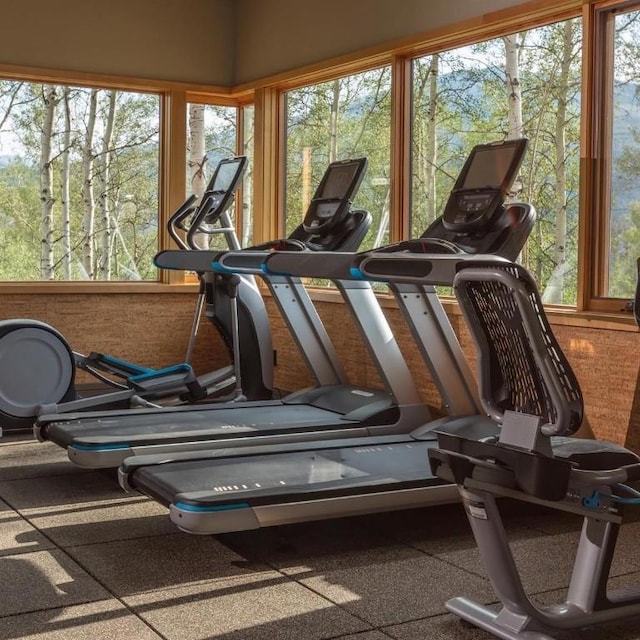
(512, 80)
(512, 45)
(333, 122)
(87, 190)
(66, 204)
(431, 149)
(46, 185)
(197, 160)
(247, 186)
(104, 265)
(247, 208)
(555, 286)
(383, 226)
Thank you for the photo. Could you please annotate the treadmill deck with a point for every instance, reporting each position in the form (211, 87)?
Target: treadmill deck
(214, 496)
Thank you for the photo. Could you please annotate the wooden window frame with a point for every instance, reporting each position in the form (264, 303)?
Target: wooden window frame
(267, 95)
(596, 168)
(399, 58)
(590, 309)
(173, 97)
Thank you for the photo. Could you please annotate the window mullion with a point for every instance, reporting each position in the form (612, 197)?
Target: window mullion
(173, 178)
(400, 204)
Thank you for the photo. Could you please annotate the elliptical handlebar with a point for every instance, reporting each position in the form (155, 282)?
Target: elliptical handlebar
(176, 221)
(218, 196)
(206, 206)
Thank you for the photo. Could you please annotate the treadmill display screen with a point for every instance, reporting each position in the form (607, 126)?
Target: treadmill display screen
(339, 181)
(490, 168)
(225, 176)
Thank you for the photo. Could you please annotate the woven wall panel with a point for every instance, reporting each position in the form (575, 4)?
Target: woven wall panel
(153, 330)
(150, 330)
(607, 364)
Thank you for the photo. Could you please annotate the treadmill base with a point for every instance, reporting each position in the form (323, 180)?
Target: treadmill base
(243, 517)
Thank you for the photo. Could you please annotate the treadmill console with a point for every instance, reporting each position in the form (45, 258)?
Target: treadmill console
(485, 180)
(476, 219)
(222, 186)
(331, 202)
(216, 199)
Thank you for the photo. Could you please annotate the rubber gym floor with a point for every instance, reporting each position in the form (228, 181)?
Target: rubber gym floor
(81, 559)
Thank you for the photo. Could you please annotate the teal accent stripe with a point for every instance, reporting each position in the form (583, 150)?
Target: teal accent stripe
(99, 447)
(211, 508)
(356, 274)
(123, 363)
(218, 268)
(159, 373)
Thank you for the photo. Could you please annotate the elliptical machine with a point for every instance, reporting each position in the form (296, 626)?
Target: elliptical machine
(38, 367)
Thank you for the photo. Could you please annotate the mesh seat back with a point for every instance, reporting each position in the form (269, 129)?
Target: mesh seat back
(521, 366)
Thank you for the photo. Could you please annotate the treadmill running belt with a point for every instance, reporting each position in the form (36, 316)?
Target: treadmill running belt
(196, 425)
(261, 479)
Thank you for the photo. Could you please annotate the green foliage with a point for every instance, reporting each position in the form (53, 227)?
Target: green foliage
(624, 210)
(361, 105)
(460, 98)
(130, 192)
(472, 108)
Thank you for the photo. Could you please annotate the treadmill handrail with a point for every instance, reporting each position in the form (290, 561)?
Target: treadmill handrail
(247, 261)
(179, 260)
(432, 269)
(422, 268)
(316, 264)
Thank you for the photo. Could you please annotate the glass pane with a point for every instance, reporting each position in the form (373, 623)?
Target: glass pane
(525, 84)
(211, 137)
(624, 214)
(78, 183)
(247, 186)
(345, 118)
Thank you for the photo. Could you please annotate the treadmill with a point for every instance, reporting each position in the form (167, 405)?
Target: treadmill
(331, 409)
(239, 488)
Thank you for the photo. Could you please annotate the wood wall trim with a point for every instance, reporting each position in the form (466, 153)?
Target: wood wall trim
(98, 288)
(400, 179)
(267, 222)
(80, 78)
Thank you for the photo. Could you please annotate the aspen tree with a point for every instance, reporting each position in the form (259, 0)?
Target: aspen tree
(88, 218)
(49, 97)
(65, 177)
(103, 175)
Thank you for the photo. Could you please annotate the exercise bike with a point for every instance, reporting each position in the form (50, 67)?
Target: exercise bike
(528, 387)
(38, 367)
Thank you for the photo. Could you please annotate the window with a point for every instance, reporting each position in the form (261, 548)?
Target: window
(620, 233)
(345, 118)
(78, 182)
(522, 84)
(211, 136)
(246, 236)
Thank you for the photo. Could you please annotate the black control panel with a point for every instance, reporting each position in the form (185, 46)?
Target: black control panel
(485, 180)
(331, 202)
